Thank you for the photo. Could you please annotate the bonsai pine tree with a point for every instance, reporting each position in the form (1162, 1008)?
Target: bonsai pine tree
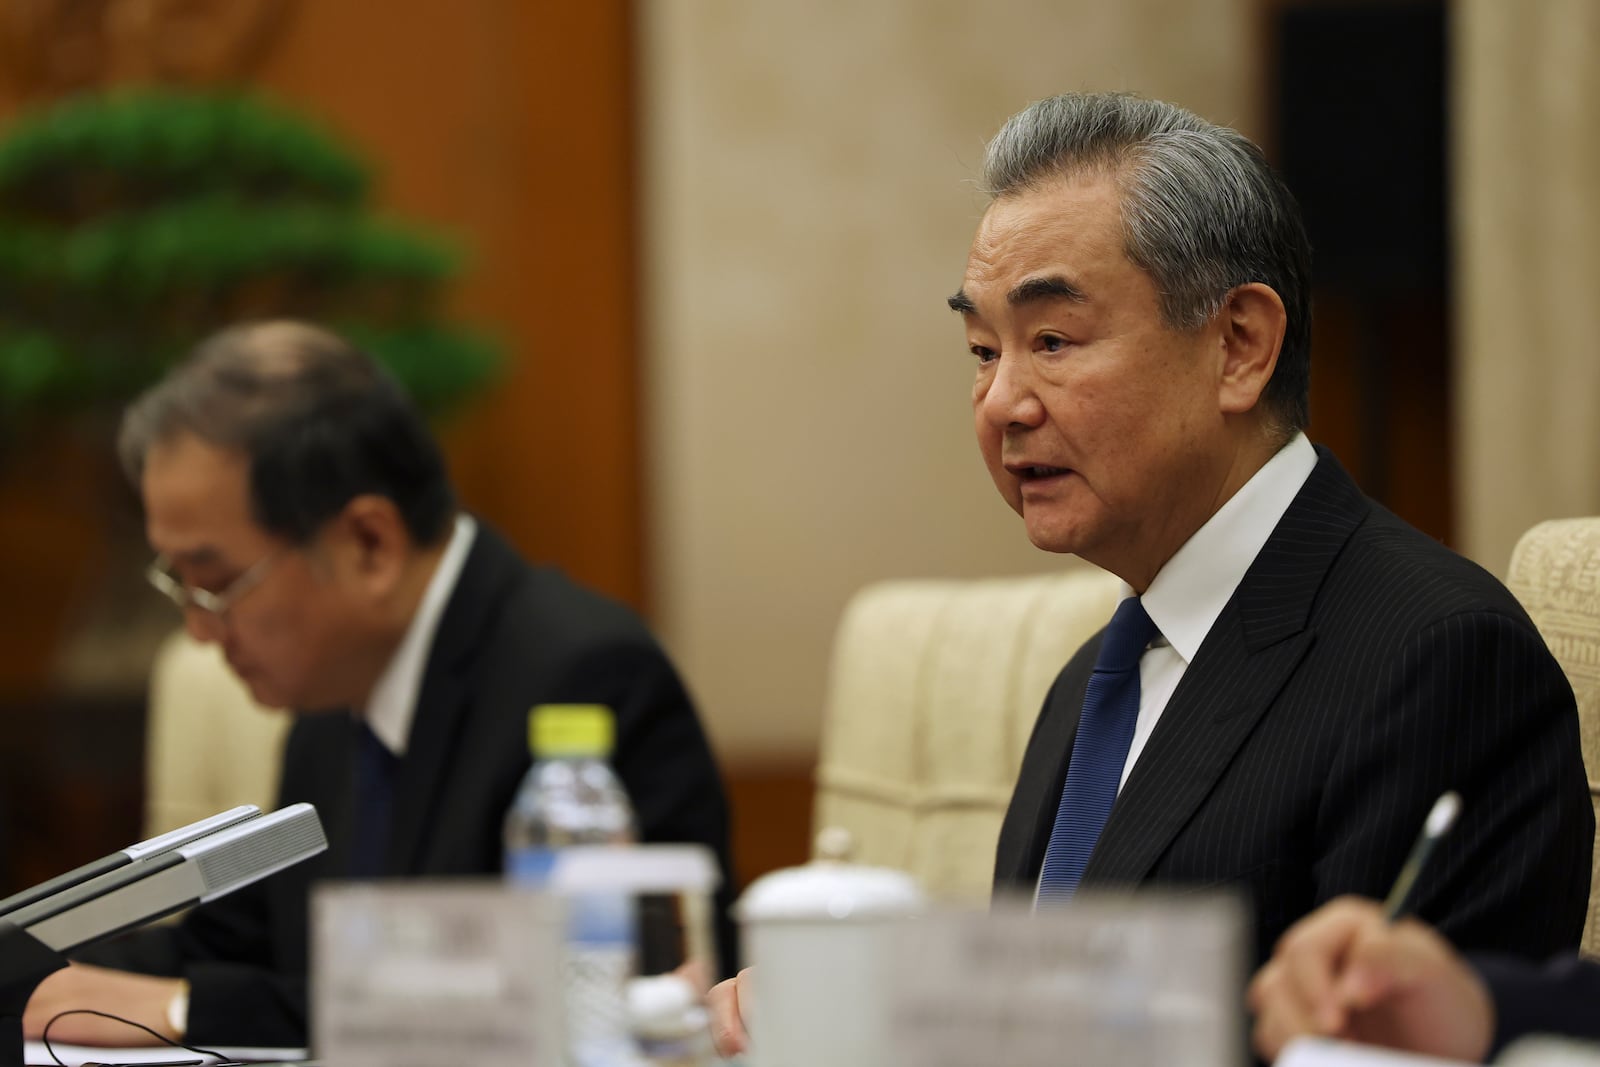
(134, 223)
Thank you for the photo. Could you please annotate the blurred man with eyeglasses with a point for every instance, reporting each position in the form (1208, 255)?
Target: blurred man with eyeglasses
(165, 578)
(303, 521)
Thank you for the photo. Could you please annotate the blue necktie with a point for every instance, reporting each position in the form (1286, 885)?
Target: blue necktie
(1105, 731)
(375, 767)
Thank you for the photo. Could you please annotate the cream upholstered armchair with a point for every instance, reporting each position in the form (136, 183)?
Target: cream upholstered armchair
(933, 692)
(209, 746)
(1555, 572)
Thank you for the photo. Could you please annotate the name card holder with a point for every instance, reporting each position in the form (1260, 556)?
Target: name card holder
(415, 974)
(1133, 980)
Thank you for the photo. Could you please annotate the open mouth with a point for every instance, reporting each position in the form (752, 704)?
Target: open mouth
(1036, 472)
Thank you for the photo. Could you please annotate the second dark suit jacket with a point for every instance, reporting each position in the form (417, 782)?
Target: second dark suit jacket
(1359, 671)
(511, 636)
(1558, 997)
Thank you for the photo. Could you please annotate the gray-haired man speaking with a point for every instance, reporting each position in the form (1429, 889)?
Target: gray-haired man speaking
(1295, 675)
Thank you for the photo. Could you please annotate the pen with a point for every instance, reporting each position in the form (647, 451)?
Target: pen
(1440, 819)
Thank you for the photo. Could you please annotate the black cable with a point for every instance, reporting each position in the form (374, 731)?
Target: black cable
(44, 1036)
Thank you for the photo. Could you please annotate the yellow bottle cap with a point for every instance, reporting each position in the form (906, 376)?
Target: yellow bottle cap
(566, 730)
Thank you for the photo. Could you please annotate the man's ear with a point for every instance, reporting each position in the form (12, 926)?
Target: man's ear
(374, 541)
(1253, 322)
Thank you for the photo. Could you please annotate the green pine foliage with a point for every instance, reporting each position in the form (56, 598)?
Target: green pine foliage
(133, 224)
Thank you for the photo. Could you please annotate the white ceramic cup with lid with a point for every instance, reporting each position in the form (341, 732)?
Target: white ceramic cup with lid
(819, 938)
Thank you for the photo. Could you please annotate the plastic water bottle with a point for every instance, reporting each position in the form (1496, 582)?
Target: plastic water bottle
(570, 796)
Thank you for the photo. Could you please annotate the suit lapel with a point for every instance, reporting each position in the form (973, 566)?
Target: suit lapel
(1250, 652)
(330, 756)
(1223, 694)
(443, 697)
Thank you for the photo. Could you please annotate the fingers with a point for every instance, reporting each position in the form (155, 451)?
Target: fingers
(1390, 960)
(1280, 1016)
(1300, 991)
(1387, 960)
(1345, 971)
(727, 1019)
(1412, 990)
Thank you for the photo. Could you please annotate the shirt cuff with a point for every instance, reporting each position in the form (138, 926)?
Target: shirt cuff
(178, 1010)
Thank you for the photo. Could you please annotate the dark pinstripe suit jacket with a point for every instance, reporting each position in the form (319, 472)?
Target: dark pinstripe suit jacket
(1360, 670)
(1558, 997)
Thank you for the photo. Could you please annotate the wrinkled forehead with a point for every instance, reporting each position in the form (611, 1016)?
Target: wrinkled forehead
(197, 501)
(1067, 223)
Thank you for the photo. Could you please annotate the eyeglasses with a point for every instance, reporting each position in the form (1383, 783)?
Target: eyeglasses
(161, 575)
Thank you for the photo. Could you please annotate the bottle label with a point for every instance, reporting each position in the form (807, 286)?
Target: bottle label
(530, 866)
(601, 919)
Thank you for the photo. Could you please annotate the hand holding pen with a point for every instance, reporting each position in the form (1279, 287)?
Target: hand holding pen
(1357, 970)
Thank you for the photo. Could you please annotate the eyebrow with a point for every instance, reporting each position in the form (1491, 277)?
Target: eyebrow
(961, 303)
(1053, 287)
(194, 557)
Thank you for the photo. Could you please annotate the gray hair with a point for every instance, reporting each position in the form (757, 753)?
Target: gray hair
(320, 421)
(1202, 212)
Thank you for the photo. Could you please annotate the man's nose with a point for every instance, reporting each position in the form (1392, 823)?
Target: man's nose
(204, 626)
(1011, 399)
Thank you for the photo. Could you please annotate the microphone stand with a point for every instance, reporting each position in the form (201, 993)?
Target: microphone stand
(25, 961)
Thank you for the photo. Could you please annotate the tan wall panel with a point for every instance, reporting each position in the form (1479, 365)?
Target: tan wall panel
(808, 208)
(509, 123)
(1527, 227)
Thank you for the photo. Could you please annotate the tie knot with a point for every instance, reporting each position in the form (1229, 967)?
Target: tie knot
(1129, 631)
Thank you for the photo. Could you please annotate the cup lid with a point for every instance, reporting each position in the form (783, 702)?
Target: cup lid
(829, 888)
(582, 869)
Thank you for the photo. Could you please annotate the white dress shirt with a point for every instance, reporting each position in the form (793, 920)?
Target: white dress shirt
(1187, 595)
(393, 703)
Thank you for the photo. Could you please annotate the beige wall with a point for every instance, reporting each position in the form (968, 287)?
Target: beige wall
(1527, 230)
(808, 204)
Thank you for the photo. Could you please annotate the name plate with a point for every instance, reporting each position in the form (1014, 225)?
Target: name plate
(1127, 980)
(415, 974)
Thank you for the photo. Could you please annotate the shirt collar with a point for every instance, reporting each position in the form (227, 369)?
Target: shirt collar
(393, 703)
(1187, 595)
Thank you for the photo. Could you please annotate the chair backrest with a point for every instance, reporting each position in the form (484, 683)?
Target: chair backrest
(209, 746)
(1555, 572)
(933, 692)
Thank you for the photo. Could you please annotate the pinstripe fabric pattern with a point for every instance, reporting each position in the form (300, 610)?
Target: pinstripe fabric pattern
(1360, 670)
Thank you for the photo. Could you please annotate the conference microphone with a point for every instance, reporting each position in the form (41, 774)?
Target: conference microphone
(155, 846)
(191, 873)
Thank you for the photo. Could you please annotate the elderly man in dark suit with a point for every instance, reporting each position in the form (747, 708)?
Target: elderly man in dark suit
(304, 521)
(1296, 674)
